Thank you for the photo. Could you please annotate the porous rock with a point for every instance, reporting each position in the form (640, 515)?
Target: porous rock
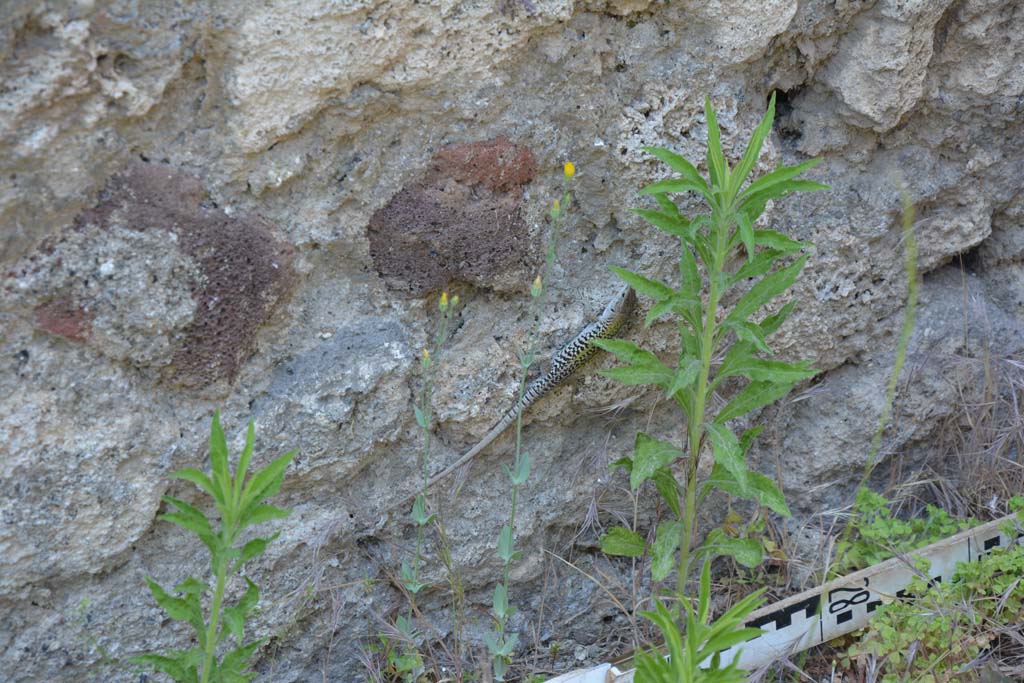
(461, 223)
(152, 276)
(391, 149)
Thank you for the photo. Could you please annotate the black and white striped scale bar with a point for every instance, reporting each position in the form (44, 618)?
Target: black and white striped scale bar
(839, 606)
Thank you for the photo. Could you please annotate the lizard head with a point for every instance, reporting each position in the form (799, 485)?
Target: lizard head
(621, 305)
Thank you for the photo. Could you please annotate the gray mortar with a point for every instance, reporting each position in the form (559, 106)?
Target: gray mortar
(290, 126)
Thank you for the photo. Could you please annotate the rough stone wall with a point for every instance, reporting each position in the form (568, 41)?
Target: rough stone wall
(202, 207)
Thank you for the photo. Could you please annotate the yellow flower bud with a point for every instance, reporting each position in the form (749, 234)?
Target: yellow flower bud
(425, 357)
(455, 301)
(569, 169)
(537, 287)
(444, 301)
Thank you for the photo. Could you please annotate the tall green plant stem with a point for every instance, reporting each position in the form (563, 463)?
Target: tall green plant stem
(695, 420)
(211, 631)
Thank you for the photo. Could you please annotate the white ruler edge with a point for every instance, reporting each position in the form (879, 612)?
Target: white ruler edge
(803, 620)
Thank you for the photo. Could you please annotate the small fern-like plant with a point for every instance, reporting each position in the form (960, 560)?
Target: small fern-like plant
(239, 500)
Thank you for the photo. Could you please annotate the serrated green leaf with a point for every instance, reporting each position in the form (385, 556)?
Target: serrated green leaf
(253, 548)
(234, 616)
(623, 349)
(724, 641)
(675, 186)
(689, 276)
(753, 396)
(764, 370)
(727, 452)
(652, 289)
(267, 481)
(190, 518)
(748, 436)
(243, 461)
(673, 225)
(666, 623)
(258, 514)
(772, 323)
(650, 455)
(663, 550)
(196, 477)
(176, 608)
(766, 289)
(238, 659)
(219, 462)
(745, 231)
(644, 367)
(685, 376)
(208, 538)
(754, 205)
(669, 489)
(779, 242)
(687, 307)
(174, 666)
(755, 267)
(746, 551)
(779, 175)
(191, 586)
(622, 542)
(667, 205)
(676, 162)
(637, 374)
(753, 150)
(760, 489)
(704, 592)
(625, 462)
(717, 168)
(750, 333)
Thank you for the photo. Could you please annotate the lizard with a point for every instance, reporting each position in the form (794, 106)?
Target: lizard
(563, 364)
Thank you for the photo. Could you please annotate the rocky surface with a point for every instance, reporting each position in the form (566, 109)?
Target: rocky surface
(253, 207)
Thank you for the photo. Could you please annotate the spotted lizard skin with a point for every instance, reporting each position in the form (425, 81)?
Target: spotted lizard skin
(565, 362)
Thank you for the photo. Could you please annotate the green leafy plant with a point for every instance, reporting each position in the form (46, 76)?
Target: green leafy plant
(720, 251)
(238, 499)
(500, 643)
(703, 642)
(936, 632)
(404, 659)
(875, 534)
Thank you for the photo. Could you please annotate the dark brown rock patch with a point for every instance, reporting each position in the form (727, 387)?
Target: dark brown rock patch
(461, 222)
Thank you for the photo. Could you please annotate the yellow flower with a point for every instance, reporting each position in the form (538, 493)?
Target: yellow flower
(569, 169)
(455, 301)
(444, 301)
(537, 287)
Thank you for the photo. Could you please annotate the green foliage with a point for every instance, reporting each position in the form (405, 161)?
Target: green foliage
(500, 643)
(875, 535)
(699, 643)
(934, 634)
(720, 251)
(238, 499)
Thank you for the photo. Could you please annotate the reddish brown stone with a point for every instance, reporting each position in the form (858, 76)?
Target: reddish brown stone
(461, 222)
(496, 164)
(64, 318)
(246, 269)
